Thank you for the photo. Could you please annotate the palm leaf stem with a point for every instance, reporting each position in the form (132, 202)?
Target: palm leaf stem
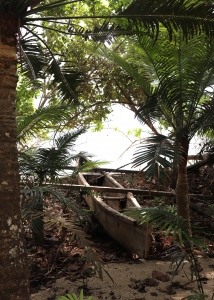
(159, 17)
(50, 6)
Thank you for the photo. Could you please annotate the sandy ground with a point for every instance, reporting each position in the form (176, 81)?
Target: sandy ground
(128, 282)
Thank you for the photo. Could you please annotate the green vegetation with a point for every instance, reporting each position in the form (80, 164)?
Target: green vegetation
(51, 46)
(74, 297)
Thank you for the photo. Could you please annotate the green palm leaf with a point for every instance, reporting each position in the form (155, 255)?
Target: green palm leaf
(66, 80)
(166, 218)
(192, 17)
(40, 119)
(67, 141)
(120, 61)
(38, 62)
(173, 15)
(158, 154)
(162, 218)
(149, 111)
(32, 58)
(204, 120)
(49, 162)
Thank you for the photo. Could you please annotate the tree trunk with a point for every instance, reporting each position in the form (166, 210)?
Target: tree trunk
(182, 197)
(14, 283)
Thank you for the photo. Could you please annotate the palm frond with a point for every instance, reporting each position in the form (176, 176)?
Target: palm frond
(120, 61)
(50, 6)
(204, 119)
(190, 73)
(22, 6)
(183, 72)
(40, 61)
(107, 32)
(192, 17)
(32, 58)
(66, 141)
(166, 219)
(36, 194)
(33, 196)
(156, 155)
(17, 6)
(47, 163)
(189, 16)
(90, 165)
(65, 79)
(29, 125)
(149, 110)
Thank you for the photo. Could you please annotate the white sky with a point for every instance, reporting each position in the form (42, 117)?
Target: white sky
(110, 145)
(115, 146)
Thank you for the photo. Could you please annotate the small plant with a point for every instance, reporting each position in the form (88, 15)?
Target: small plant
(157, 201)
(74, 297)
(196, 296)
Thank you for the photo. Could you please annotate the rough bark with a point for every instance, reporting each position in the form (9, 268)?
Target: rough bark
(14, 282)
(182, 197)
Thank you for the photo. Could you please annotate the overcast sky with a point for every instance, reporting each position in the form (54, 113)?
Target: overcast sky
(110, 145)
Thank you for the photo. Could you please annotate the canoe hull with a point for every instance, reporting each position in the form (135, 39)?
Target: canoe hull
(123, 229)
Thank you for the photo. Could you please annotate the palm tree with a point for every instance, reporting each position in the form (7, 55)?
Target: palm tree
(175, 79)
(14, 282)
(181, 99)
(25, 14)
(45, 164)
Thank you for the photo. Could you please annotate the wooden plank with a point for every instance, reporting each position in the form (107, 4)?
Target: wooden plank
(106, 169)
(124, 190)
(107, 189)
(114, 198)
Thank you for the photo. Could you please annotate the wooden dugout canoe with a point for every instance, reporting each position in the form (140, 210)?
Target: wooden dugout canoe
(108, 209)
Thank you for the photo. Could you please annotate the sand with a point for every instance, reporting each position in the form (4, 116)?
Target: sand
(128, 283)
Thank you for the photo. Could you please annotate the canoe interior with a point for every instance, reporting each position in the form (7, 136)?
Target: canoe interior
(117, 201)
(109, 209)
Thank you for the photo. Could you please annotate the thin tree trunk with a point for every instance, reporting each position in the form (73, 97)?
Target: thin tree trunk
(182, 197)
(14, 283)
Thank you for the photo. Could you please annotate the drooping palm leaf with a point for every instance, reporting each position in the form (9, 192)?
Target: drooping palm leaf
(35, 196)
(66, 80)
(40, 119)
(120, 61)
(37, 61)
(157, 155)
(149, 111)
(192, 17)
(204, 119)
(27, 162)
(31, 58)
(166, 219)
